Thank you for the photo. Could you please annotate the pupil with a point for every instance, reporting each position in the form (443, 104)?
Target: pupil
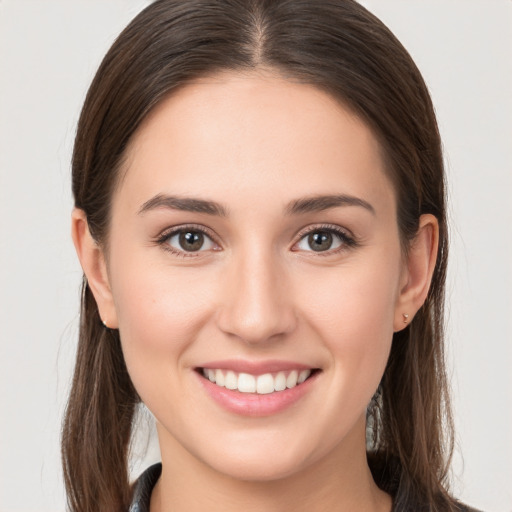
(191, 241)
(320, 241)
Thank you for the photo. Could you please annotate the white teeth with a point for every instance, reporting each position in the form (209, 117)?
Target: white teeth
(291, 380)
(303, 375)
(219, 378)
(265, 384)
(261, 384)
(231, 380)
(247, 383)
(280, 382)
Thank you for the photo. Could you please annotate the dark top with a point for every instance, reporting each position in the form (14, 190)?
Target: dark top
(143, 487)
(145, 483)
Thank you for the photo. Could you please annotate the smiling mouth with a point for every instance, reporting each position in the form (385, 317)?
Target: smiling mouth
(260, 384)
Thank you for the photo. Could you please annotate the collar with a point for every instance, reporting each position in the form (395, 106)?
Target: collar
(143, 487)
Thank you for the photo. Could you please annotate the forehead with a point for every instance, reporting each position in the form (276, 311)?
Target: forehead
(258, 133)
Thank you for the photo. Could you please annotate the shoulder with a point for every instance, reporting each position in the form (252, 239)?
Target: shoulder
(143, 487)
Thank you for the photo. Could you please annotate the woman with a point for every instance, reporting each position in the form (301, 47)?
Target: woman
(260, 217)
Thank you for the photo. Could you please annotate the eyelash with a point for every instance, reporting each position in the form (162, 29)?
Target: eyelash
(163, 238)
(348, 241)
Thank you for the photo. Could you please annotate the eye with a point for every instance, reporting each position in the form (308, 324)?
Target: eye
(324, 240)
(187, 240)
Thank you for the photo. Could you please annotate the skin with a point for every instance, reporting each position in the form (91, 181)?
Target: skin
(255, 143)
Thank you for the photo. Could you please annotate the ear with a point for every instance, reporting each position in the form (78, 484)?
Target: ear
(94, 265)
(417, 272)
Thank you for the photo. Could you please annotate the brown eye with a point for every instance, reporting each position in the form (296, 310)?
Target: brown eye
(320, 241)
(189, 240)
(323, 240)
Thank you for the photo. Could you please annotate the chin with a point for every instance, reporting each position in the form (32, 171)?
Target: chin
(257, 469)
(262, 457)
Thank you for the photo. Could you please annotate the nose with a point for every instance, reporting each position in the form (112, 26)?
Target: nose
(256, 303)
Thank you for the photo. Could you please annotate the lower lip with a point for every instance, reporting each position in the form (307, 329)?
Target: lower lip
(253, 404)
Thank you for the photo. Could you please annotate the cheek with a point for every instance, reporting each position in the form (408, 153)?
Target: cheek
(353, 313)
(160, 312)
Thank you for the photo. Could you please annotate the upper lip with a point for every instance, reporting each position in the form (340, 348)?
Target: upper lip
(255, 367)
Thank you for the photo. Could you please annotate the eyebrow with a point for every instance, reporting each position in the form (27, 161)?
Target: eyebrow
(183, 203)
(320, 203)
(296, 207)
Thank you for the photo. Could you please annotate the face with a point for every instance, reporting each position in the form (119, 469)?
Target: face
(254, 244)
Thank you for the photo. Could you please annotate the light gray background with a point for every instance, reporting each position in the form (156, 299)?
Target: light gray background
(49, 50)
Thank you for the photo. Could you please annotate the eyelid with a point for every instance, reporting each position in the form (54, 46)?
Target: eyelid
(347, 237)
(171, 231)
(323, 227)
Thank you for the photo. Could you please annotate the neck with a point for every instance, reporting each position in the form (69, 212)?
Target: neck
(340, 481)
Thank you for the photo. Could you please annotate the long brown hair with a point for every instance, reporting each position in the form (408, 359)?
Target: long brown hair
(343, 49)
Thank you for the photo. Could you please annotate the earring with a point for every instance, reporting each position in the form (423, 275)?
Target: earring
(104, 324)
(406, 316)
